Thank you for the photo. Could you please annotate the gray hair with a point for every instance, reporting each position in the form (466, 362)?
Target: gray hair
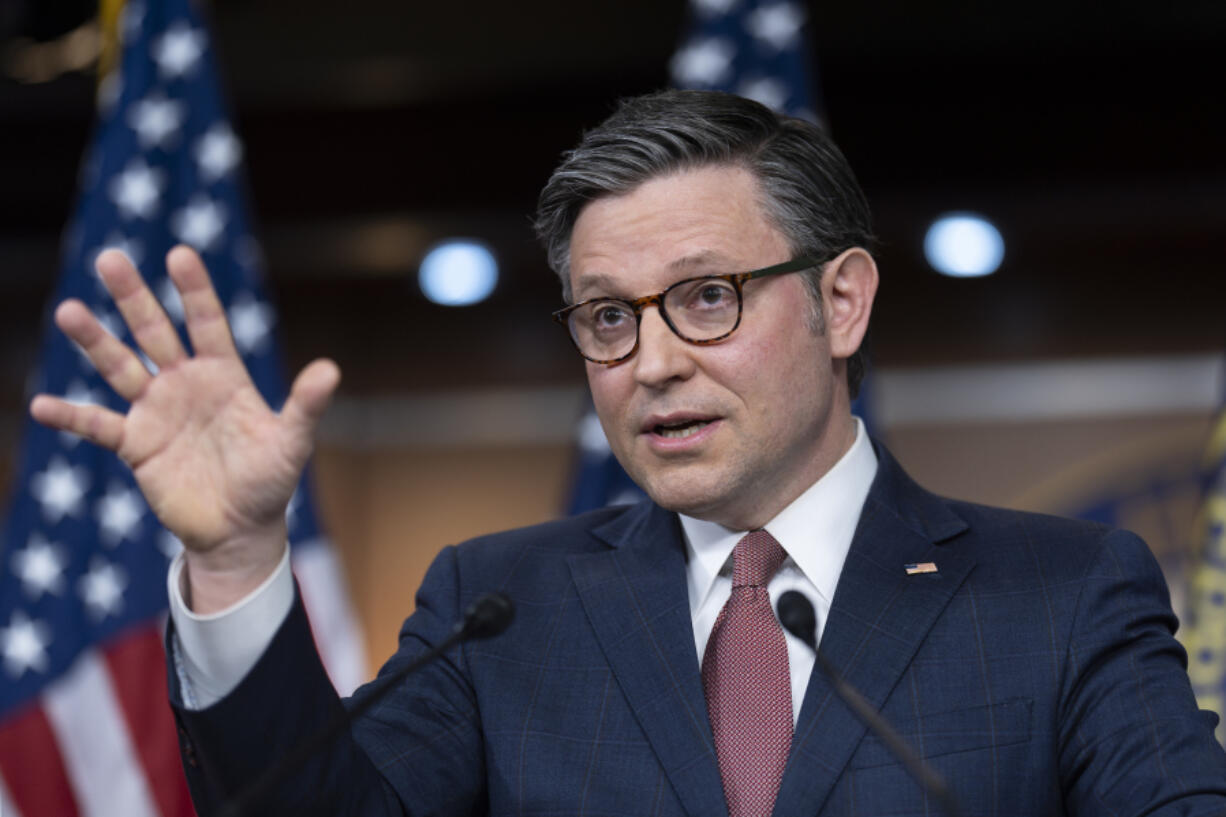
(809, 191)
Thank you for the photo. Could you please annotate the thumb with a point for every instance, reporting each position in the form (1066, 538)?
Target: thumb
(309, 396)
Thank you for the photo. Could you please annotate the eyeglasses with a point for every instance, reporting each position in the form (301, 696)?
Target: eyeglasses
(699, 310)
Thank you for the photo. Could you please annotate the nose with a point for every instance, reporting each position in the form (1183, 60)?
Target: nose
(661, 355)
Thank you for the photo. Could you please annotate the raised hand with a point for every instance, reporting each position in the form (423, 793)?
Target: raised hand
(215, 463)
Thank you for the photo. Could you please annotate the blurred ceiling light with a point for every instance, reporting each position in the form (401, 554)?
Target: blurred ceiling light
(964, 245)
(458, 272)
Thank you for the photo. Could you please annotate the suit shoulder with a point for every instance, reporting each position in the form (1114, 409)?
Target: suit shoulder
(531, 562)
(1052, 544)
(1043, 525)
(568, 534)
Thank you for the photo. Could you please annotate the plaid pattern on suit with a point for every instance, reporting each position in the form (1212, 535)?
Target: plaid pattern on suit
(1036, 670)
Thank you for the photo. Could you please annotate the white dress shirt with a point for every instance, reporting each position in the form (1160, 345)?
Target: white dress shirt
(815, 531)
(214, 652)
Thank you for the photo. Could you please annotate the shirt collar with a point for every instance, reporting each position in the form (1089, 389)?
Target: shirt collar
(815, 530)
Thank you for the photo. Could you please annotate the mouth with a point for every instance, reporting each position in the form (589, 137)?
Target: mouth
(679, 430)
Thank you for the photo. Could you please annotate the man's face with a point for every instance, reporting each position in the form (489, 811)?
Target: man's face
(731, 432)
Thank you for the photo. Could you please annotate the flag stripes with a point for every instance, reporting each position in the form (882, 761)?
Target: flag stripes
(32, 768)
(85, 725)
(92, 737)
(317, 568)
(142, 698)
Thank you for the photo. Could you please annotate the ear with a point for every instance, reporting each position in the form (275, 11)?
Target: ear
(849, 284)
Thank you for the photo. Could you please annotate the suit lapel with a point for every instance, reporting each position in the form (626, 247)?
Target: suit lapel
(635, 596)
(878, 619)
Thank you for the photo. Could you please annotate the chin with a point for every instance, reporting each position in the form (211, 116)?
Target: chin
(692, 497)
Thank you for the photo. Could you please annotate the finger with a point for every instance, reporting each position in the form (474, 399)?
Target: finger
(309, 396)
(145, 317)
(95, 423)
(205, 316)
(117, 364)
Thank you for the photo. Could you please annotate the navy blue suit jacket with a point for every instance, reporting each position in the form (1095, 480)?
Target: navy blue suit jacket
(1036, 670)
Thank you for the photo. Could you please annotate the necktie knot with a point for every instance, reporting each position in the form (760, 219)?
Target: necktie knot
(755, 559)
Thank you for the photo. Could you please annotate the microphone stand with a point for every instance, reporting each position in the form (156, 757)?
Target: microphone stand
(488, 616)
(797, 616)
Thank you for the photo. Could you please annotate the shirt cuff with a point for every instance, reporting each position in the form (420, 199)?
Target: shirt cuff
(214, 652)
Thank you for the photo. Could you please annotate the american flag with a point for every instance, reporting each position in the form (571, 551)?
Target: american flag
(85, 727)
(752, 48)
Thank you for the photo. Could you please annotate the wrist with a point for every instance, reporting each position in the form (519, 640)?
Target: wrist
(220, 577)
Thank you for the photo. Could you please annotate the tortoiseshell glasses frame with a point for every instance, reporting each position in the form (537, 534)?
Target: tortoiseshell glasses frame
(697, 318)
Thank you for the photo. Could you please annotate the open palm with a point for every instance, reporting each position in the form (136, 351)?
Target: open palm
(214, 462)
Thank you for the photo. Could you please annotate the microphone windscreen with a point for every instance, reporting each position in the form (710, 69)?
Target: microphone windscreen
(488, 616)
(798, 617)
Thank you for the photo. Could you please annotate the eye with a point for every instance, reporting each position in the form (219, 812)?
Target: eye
(704, 295)
(609, 315)
(714, 294)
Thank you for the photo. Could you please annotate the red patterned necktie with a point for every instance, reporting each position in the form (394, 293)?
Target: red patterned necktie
(746, 680)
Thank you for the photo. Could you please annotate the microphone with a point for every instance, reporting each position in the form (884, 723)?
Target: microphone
(798, 617)
(486, 617)
(489, 615)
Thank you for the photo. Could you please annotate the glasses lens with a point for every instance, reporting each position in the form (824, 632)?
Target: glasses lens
(704, 308)
(603, 330)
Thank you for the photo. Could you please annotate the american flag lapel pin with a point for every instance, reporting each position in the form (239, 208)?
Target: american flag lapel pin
(920, 567)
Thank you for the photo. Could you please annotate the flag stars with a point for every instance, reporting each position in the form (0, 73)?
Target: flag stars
(24, 645)
(777, 25)
(119, 513)
(178, 51)
(40, 567)
(217, 152)
(250, 322)
(102, 589)
(60, 490)
(704, 63)
(136, 190)
(156, 120)
(200, 222)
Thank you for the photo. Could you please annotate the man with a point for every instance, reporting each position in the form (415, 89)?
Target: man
(714, 256)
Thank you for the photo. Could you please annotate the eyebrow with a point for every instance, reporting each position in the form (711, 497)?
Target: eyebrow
(609, 283)
(702, 258)
(599, 281)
